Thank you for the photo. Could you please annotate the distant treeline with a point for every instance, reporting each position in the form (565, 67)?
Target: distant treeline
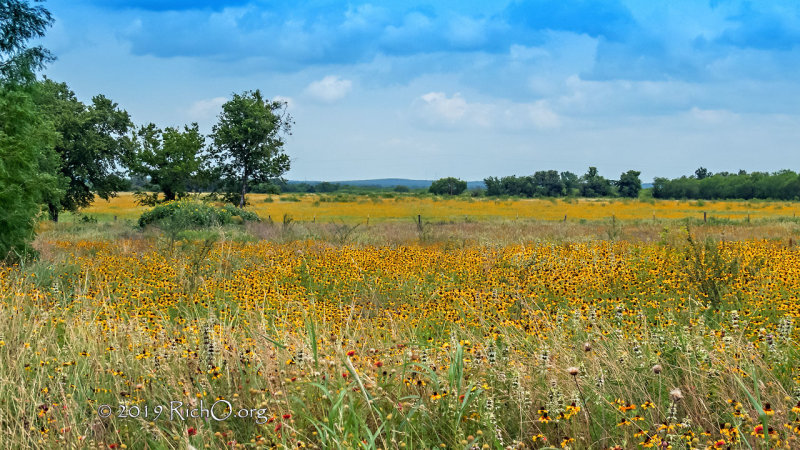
(551, 183)
(782, 185)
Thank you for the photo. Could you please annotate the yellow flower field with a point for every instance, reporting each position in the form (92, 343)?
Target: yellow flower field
(311, 344)
(322, 207)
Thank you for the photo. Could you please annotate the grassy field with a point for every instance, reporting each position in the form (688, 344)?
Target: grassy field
(399, 207)
(480, 334)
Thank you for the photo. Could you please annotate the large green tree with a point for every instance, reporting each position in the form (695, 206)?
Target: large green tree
(170, 159)
(629, 184)
(248, 142)
(27, 160)
(94, 143)
(592, 184)
(448, 186)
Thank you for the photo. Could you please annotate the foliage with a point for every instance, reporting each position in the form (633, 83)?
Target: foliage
(171, 159)
(184, 214)
(27, 161)
(629, 184)
(708, 270)
(448, 186)
(701, 173)
(93, 145)
(21, 22)
(550, 183)
(26, 169)
(571, 182)
(248, 142)
(594, 185)
(781, 185)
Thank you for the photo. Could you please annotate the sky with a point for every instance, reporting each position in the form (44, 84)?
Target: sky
(465, 88)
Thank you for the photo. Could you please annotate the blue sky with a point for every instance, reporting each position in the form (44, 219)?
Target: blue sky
(460, 88)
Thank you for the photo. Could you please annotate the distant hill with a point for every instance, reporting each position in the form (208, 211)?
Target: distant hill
(388, 183)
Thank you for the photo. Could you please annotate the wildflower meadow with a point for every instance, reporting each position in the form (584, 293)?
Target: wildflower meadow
(675, 335)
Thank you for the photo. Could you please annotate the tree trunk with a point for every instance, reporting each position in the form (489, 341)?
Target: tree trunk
(244, 191)
(53, 212)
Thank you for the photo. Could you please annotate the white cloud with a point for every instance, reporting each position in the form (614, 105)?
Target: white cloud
(712, 116)
(290, 103)
(436, 106)
(202, 110)
(329, 89)
(437, 109)
(542, 116)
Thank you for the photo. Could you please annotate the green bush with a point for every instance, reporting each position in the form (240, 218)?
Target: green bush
(185, 214)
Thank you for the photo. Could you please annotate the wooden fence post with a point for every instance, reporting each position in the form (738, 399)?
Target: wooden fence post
(705, 218)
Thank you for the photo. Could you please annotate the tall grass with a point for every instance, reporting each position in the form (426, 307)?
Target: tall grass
(483, 335)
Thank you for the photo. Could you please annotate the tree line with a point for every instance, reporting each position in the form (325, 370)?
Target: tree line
(702, 185)
(781, 185)
(58, 153)
(549, 183)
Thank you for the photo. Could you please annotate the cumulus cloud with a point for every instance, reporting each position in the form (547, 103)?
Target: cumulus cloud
(436, 106)
(329, 89)
(206, 109)
(437, 109)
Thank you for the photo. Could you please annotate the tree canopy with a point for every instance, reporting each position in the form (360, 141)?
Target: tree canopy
(551, 183)
(782, 185)
(171, 160)
(629, 184)
(94, 144)
(19, 23)
(248, 142)
(448, 186)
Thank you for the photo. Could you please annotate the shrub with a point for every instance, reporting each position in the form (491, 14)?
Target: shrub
(186, 214)
(709, 271)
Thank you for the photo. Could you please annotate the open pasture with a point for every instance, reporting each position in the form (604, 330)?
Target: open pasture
(398, 207)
